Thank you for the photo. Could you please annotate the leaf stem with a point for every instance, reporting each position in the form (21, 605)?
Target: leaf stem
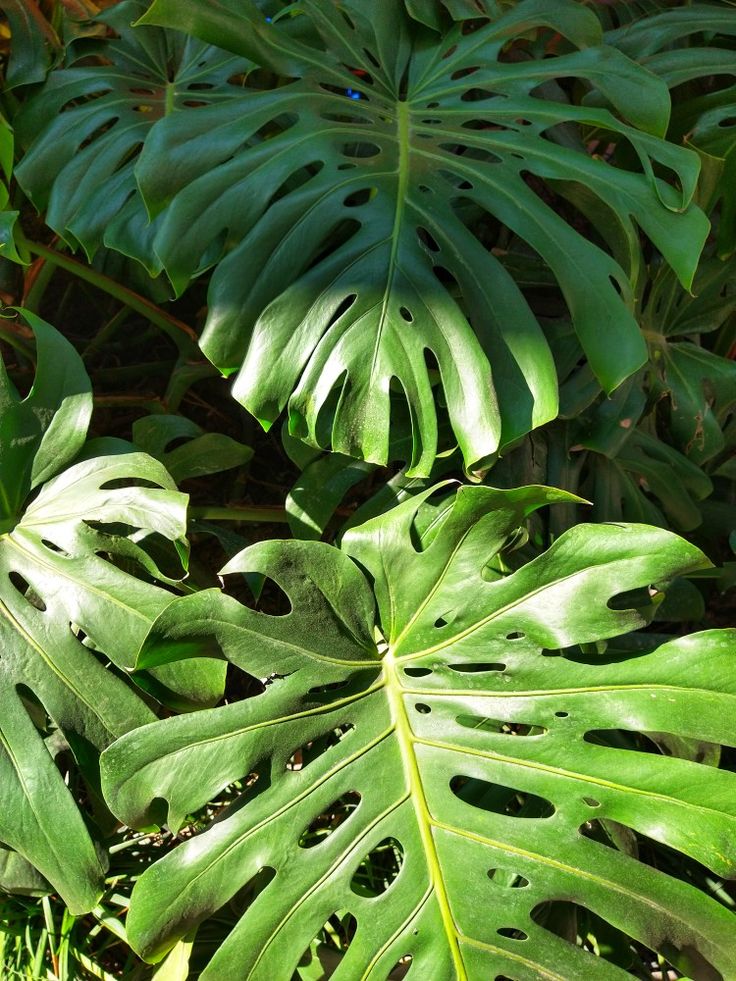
(269, 515)
(180, 333)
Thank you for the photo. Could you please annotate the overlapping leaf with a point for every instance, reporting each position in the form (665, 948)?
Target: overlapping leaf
(455, 744)
(86, 127)
(346, 199)
(65, 608)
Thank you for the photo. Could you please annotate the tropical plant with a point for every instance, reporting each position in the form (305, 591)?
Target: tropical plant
(69, 609)
(466, 735)
(356, 163)
(443, 752)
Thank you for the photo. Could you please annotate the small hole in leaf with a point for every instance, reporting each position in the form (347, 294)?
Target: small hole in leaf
(401, 967)
(371, 57)
(330, 820)
(363, 149)
(591, 802)
(24, 588)
(52, 547)
(422, 708)
(445, 276)
(427, 239)
(516, 635)
(417, 672)
(500, 726)
(500, 799)
(509, 880)
(406, 314)
(474, 667)
(379, 869)
(424, 189)
(346, 166)
(441, 622)
(342, 308)
(512, 934)
(562, 715)
(357, 198)
(315, 748)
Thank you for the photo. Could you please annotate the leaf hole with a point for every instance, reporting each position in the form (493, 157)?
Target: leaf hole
(591, 802)
(53, 547)
(422, 708)
(363, 149)
(508, 880)
(330, 820)
(417, 672)
(512, 934)
(379, 869)
(475, 667)
(516, 635)
(445, 277)
(401, 967)
(500, 726)
(427, 239)
(500, 799)
(315, 748)
(26, 591)
(562, 715)
(358, 198)
(406, 314)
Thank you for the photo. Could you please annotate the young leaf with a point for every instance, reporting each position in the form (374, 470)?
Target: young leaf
(454, 754)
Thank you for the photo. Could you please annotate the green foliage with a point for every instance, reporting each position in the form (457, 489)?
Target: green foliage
(412, 704)
(94, 119)
(463, 737)
(363, 212)
(66, 604)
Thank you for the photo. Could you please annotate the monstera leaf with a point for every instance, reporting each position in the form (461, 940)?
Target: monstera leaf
(87, 125)
(418, 762)
(700, 387)
(695, 43)
(354, 190)
(66, 609)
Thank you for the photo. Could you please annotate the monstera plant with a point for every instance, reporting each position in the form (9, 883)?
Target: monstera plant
(72, 515)
(443, 753)
(340, 188)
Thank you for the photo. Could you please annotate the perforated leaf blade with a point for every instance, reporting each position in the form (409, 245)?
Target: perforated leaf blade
(63, 602)
(346, 200)
(85, 128)
(467, 763)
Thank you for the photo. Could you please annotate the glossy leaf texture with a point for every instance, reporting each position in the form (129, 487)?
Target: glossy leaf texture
(346, 196)
(470, 727)
(67, 608)
(84, 130)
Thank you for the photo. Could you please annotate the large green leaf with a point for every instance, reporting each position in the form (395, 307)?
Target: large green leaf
(350, 198)
(66, 608)
(411, 706)
(86, 127)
